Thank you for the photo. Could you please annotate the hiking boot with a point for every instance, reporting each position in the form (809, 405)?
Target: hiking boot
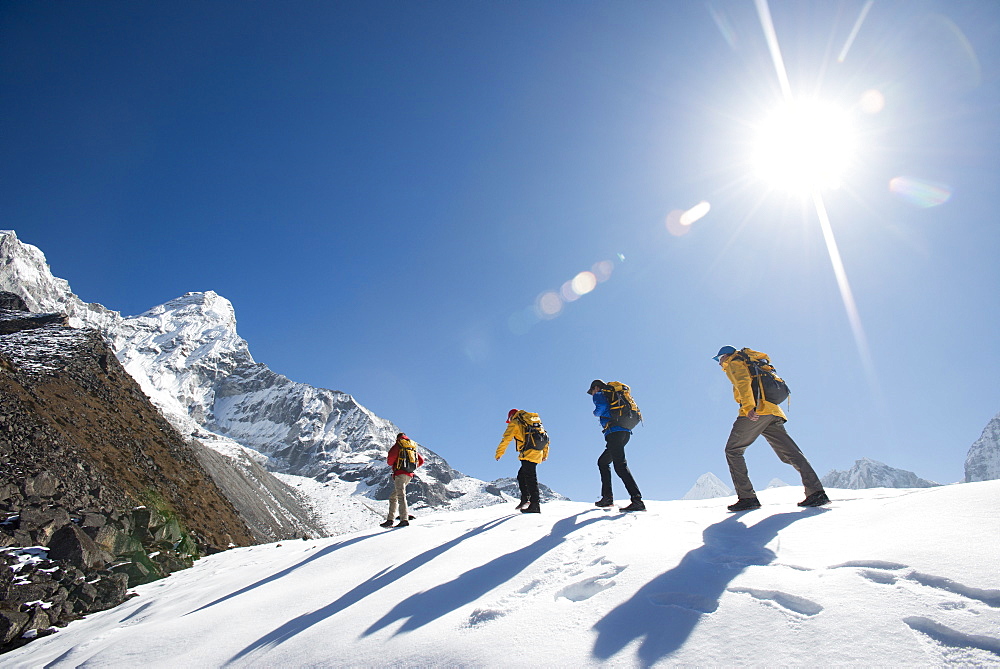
(532, 508)
(818, 498)
(605, 502)
(745, 504)
(386, 524)
(403, 523)
(636, 505)
(408, 517)
(523, 504)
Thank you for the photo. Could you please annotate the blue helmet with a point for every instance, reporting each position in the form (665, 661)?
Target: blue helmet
(725, 350)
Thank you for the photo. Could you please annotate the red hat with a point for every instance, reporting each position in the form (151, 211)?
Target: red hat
(510, 414)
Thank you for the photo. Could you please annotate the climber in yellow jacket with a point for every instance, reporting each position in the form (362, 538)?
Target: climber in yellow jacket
(532, 444)
(760, 417)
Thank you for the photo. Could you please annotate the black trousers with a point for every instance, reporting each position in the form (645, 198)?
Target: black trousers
(527, 481)
(614, 453)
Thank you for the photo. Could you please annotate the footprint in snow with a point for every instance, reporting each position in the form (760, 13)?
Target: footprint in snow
(949, 638)
(588, 587)
(784, 600)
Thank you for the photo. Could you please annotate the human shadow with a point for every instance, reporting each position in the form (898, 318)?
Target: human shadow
(665, 611)
(359, 592)
(424, 607)
(285, 572)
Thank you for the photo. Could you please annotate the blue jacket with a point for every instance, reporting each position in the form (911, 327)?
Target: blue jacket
(603, 413)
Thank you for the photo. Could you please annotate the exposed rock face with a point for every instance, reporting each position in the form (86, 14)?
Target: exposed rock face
(873, 474)
(983, 460)
(11, 302)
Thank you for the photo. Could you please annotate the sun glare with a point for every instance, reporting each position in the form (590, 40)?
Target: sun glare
(804, 147)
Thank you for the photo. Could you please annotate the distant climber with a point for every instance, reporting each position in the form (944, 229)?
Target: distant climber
(618, 414)
(760, 417)
(404, 460)
(532, 443)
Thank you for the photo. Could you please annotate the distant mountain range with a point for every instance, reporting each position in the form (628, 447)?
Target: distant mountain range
(868, 473)
(187, 357)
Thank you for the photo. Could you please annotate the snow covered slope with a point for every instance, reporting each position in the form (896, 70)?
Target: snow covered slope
(983, 460)
(874, 474)
(708, 486)
(886, 577)
(188, 358)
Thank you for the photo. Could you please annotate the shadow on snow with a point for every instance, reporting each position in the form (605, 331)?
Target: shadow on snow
(665, 611)
(423, 607)
(359, 592)
(285, 572)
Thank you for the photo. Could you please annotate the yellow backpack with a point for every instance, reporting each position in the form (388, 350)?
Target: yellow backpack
(624, 412)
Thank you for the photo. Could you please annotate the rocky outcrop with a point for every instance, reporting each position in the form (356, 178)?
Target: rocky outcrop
(97, 491)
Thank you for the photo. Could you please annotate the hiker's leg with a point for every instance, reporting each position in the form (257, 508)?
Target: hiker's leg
(789, 452)
(742, 435)
(604, 467)
(522, 484)
(393, 501)
(616, 444)
(529, 474)
(401, 481)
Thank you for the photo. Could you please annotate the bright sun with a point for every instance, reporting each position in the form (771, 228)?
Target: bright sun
(804, 147)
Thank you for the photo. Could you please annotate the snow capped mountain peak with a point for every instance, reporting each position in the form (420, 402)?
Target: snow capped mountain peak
(708, 486)
(868, 473)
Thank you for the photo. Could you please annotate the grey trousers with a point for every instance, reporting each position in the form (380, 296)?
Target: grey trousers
(745, 431)
(398, 497)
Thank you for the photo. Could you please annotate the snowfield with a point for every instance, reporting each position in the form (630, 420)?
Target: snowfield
(882, 577)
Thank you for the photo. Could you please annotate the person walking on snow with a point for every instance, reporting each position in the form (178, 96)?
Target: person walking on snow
(615, 438)
(404, 460)
(760, 417)
(532, 445)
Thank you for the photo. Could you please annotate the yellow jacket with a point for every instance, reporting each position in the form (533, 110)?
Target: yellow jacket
(515, 431)
(739, 375)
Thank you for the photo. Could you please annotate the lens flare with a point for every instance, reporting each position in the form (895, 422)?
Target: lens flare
(602, 270)
(549, 304)
(583, 283)
(695, 213)
(924, 194)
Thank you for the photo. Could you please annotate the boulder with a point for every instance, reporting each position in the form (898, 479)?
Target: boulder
(12, 623)
(72, 545)
(43, 484)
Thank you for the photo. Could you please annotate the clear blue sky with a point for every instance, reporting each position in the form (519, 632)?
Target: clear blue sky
(384, 189)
